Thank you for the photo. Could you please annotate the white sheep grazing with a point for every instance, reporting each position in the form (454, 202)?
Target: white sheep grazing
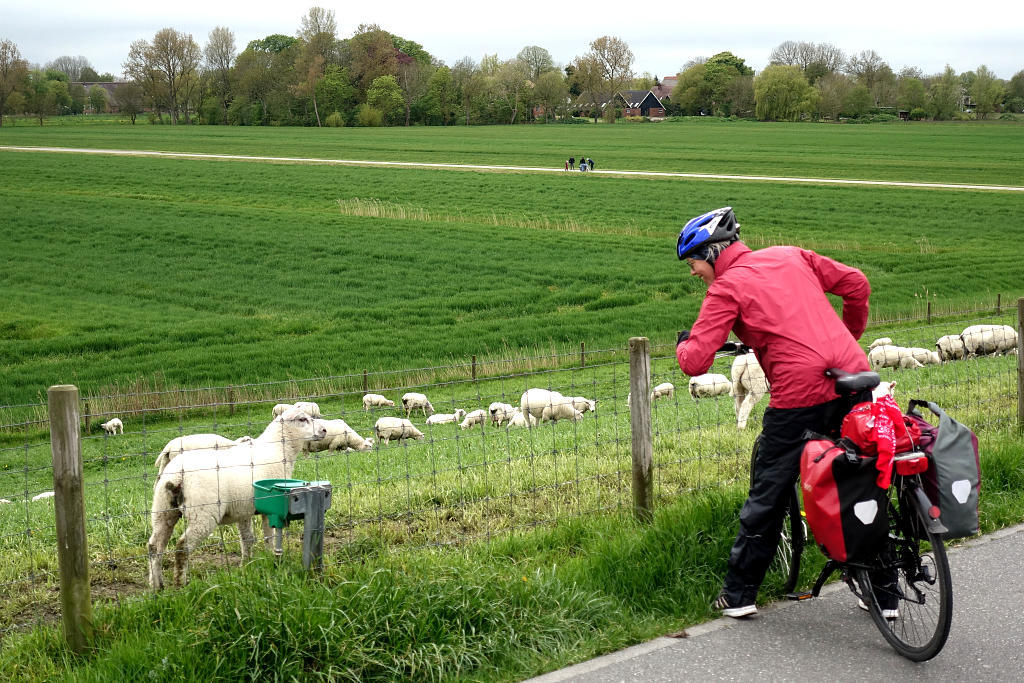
(474, 418)
(308, 407)
(583, 404)
(560, 411)
(500, 412)
(988, 339)
(533, 401)
(339, 437)
(749, 385)
(446, 418)
(411, 401)
(520, 420)
(663, 390)
(398, 428)
(909, 363)
(43, 496)
(884, 389)
(951, 347)
(113, 426)
(881, 341)
(901, 357)
(4, 501)
(194, 442)
(211, 491)
(376, 401)
(709, 385)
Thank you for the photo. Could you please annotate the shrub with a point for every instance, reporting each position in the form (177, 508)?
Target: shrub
(916, 114)
(368, 116)
(964, 116)
(335, 120)
(610, 114)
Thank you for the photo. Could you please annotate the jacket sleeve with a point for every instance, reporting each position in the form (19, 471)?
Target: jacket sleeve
(847, 282)
(709, 332)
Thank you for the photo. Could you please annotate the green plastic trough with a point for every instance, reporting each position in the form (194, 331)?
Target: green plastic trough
(270, 497)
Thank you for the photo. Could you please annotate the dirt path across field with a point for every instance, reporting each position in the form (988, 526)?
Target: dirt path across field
(529, 169)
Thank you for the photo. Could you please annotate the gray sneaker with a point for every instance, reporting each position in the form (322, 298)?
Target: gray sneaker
(728, 610)
(886, 613)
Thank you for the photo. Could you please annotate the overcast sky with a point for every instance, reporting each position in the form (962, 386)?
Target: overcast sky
(927, 34)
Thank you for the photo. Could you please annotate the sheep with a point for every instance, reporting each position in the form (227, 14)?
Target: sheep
(376, 401)
(212, 491)
(474, 418)
(881, 341)
(411, 401)
(446, 418)
(951, 347)
(890, 356)
(518, 419)
(749, 385)
(583, 404)
(563, 410)
(387, 428)
(709, 385)
(4, 501)
(308, 407)
(533, 401)
(194, 442)
(113, 426)
(339, 437)
(43, 496)
(500, 412)
(663, 390)
(884, 389)
(988, 339)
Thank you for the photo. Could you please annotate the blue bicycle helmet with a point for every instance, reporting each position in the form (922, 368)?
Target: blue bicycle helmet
(714, 226)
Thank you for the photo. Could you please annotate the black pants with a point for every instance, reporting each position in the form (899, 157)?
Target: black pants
(763, 513)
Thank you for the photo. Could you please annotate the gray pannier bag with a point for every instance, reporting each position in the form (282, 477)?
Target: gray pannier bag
(953, 478)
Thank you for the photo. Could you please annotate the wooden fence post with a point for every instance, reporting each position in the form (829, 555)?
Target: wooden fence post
(231, 400)
(999, 304)
(364, 381)
(88, 416)
(69, 509)
(640, 427)
(929, 312)
(583, 354)
(1020, 364)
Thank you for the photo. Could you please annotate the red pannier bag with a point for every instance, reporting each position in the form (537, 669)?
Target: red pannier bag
(879, 428)
(846, 509)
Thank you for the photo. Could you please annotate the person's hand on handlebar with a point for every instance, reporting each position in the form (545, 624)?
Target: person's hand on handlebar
(682, 336)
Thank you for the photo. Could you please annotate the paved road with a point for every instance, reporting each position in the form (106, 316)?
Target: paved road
(830, 639)
(533, 169)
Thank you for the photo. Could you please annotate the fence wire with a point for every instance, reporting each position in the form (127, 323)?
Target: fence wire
(457, 484)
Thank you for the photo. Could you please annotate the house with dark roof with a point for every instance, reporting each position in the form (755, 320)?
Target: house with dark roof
(639, 103)
(668, 84)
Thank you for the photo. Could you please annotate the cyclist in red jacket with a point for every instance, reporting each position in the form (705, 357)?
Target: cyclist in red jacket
(775, 302)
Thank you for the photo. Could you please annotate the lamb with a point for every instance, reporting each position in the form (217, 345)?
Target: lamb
(212, 491)
(308, 407)
(411, 401)
(909, 363)
(749, 385)
(988, 339)
(376, 401)
(664, 390)
(339, 437)
(194, 442)
(884, 389)
(881, 341)
(474, 418)
(500, 412)
(518, 419)
(951, 347)
(113, 426)
(560, 411)
(42, 496)
(446, 418)
(399, 428)
(583, 404)
(709, 385)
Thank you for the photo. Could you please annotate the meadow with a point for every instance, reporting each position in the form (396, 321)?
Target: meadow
(144, 281)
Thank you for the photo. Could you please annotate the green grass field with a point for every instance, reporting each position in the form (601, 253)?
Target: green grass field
(176, 272)
(128, 275)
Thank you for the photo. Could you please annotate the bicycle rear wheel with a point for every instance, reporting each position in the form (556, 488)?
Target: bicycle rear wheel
(794, 533)
(917, 584)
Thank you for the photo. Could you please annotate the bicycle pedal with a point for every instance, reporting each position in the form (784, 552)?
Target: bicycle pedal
(805, 595)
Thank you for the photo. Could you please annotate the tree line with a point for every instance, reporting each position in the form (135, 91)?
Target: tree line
(375, 78)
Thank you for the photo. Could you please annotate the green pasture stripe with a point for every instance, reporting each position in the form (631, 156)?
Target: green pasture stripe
(535, 169)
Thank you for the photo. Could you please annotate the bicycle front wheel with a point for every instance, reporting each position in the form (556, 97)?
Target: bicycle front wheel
(910, 597)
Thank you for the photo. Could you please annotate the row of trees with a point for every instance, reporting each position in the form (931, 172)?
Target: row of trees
(818, 80)
(377, 78)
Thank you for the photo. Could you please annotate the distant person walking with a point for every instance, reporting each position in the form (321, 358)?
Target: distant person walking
(590, 163)
(566, 165)
(583, 165)
(572, 162)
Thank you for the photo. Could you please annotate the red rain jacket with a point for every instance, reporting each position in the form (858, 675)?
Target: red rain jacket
(774, 300)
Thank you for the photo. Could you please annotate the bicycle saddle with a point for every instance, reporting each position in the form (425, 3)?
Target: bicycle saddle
(853, 382)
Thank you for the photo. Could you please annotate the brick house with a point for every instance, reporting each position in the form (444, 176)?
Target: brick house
(639, 103)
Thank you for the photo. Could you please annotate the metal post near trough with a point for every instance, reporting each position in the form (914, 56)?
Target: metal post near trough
(311, 502)
(69, 513)
(640, 427)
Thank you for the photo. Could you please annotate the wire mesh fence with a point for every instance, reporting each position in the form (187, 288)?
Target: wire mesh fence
(470, 479)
